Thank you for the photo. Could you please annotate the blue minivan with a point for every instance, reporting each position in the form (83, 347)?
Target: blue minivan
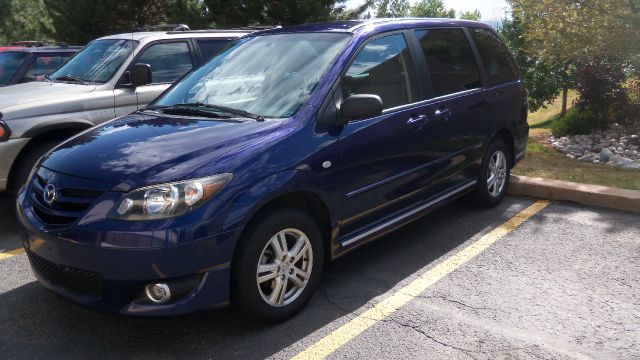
(289, 149)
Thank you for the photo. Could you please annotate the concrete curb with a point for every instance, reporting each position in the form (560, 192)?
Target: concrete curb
(613, 198)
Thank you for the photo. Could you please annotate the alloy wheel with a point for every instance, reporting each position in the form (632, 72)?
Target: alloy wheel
(284, 267)
(497, 173)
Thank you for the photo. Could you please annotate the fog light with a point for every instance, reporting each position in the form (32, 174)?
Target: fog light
(158, 293)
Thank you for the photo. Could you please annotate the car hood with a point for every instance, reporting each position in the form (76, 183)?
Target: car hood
(38, 92)
(141, 149)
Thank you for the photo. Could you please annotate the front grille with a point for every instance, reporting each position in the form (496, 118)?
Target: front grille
(71, 203)
(77, 281)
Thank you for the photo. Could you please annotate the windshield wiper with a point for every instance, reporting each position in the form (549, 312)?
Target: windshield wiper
(71, 78)
(229, 110)
(186, 110)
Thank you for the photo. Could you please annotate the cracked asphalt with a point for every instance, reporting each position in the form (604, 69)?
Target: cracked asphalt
(563, 285)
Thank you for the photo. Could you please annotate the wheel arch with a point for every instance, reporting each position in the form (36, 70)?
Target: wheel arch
(46, 132)
(507, 136)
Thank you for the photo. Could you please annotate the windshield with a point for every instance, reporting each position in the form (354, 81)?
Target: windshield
(97, 62)
(10, 61)
(270, 76)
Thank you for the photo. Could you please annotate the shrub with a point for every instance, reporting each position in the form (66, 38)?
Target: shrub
(600, 85)
(578, 122)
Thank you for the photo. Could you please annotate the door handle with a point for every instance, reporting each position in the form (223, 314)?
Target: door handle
(443, 113)
(417, 121)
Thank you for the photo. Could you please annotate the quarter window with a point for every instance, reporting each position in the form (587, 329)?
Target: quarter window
(169, 61)
(384, 68)
(498, 61)
(452, 66)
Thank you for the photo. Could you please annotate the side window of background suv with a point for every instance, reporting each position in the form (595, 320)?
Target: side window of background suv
(498, 62)
(384, 68)
(452, 66)
(168, 61)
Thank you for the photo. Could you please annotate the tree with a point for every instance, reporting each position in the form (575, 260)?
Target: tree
(543, 81)
(432, 9)
(340, 12)
(581, 29)
(80, 21)
(290, 12)
(392, 8)
(24, 20)
(568, 33)
(471, 15)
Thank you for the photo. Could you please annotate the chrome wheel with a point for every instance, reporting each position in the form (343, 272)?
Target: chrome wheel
(497, 173)
(284, 267)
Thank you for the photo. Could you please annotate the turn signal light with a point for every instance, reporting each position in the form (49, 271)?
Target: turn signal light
(5, 133)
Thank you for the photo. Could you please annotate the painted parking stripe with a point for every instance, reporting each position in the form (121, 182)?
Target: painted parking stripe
(11, 253)
(330, 343)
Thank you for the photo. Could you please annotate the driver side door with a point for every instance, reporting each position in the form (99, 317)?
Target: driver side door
(168, 61)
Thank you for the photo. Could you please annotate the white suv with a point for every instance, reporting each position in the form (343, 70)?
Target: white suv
(110, 77)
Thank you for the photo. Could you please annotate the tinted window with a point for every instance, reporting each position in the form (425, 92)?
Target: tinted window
(210, 48)
(383, 67)
(44, 65)
(168, 61)
(10, 61)
(498, 62)
(450, 60)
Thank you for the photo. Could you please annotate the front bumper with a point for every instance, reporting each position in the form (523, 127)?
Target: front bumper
(120, 274)
(9, 150)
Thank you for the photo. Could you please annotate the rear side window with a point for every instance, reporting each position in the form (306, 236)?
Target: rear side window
(168, 61)
(498, 62)
(45, 65)
(452, 66)
(209, 48)
(384, 68)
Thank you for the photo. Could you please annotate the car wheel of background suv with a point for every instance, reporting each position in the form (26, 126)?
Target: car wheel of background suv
(494, 175)
(25, 162)
(278, 265)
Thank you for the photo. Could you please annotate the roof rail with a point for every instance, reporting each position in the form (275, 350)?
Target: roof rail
(258, 27)
(30, 43)
(163, 27)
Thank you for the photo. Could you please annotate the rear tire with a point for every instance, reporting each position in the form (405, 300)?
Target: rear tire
(25, 162)
(277, 266)
(494, 175)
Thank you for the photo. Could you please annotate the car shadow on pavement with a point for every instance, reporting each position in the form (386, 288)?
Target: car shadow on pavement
(37, 324)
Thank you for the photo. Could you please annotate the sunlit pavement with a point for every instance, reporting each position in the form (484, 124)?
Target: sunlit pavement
(562, 285)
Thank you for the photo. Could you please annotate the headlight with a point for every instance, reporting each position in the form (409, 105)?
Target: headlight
(168, 200)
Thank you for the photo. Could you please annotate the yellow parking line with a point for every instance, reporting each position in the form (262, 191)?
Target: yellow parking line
(7, 254)
(330, 343)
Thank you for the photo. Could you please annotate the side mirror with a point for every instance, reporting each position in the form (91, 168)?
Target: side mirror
(141, 75)
(361, 106)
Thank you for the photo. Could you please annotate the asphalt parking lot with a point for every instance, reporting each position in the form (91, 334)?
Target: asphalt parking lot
(565, 284)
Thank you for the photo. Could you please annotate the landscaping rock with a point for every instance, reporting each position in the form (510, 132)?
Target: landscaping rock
(605, 155)
(612, 147)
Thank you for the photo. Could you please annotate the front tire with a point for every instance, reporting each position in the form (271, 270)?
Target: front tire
(494, 175)
(278, 265)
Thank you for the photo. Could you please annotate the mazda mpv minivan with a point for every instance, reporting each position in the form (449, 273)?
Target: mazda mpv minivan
(287, 150)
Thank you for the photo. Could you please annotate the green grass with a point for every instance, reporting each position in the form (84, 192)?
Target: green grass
(551, 110)
(546, 162)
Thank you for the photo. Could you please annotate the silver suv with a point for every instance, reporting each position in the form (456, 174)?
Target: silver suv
(110, 77)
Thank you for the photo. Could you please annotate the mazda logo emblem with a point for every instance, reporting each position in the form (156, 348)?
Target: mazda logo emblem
(49, 194)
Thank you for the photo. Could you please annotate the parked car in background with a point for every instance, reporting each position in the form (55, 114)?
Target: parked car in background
(30, 61)
(110, 77)
(291, 148)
